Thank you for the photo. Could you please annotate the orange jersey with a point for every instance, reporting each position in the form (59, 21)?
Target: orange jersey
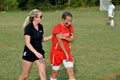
(57, 55)
(64, 30)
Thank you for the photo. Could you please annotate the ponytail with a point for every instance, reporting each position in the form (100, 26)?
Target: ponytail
(30, 18)
(27, 21)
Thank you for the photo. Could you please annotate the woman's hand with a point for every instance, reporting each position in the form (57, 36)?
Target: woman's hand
(38, 55)
(46, 38)
(69, 39)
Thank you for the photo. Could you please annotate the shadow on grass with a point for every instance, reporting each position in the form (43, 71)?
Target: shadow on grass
(112, 77)
(61, 76)
(48, 72)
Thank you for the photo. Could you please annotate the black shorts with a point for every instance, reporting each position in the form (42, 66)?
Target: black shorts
(29, 56)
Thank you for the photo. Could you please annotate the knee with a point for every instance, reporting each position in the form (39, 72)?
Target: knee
(70, 71)
(54, 74)
(42, 75)
(23, 76)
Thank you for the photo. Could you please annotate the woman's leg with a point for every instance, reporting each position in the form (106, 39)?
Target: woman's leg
(26, 69)
(41, 65)
(69, 67)
(70, 72)
(54, 75)
(111, 21)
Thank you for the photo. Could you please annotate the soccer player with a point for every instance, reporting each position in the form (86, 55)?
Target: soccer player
(111, 8)
(62, 35)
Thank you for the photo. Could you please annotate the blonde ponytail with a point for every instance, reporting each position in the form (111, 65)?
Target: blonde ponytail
(32, 14)
(27, 21)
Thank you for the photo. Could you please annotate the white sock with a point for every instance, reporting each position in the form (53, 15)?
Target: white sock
(52, 78)
(111, 22)
(72, 79)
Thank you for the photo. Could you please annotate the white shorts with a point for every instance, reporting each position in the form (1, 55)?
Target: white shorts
(66, 64)
(110, 14)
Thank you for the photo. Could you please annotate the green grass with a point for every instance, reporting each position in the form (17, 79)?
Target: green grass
(96, 48)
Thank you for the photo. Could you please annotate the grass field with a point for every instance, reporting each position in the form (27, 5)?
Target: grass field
(96, 48)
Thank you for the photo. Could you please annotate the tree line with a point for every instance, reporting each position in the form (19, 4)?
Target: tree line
(47, 4)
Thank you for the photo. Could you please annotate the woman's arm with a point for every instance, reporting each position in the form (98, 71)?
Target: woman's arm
(30, 47)
(46, 38)
(69, 39)
(62, 45)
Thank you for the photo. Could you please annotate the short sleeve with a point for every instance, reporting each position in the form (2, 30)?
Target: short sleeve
(56, 30)
(27, 30)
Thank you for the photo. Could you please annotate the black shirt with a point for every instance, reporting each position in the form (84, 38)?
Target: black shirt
(35, 37)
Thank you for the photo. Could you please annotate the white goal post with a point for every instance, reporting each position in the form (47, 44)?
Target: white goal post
(104, 5)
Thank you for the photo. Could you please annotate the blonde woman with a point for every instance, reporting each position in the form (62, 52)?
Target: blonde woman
(33, 50)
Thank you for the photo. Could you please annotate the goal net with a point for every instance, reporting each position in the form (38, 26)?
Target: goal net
(104, 5)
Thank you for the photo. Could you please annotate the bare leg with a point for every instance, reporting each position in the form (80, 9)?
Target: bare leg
(70, 73)
(110, 18)
(41, 65)
(26, 69)
(54, 74)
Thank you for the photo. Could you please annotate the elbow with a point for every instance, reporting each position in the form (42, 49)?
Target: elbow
(27, 44)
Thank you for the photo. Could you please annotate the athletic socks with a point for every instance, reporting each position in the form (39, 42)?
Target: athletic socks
(72, 79)
(56, 79)
(52, 78)
(112, 23)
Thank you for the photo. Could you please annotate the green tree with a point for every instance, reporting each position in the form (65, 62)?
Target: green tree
(117, 2)
(1, 5)
(22, 4)
(8, 4)
(91, 2)
(40, 4)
